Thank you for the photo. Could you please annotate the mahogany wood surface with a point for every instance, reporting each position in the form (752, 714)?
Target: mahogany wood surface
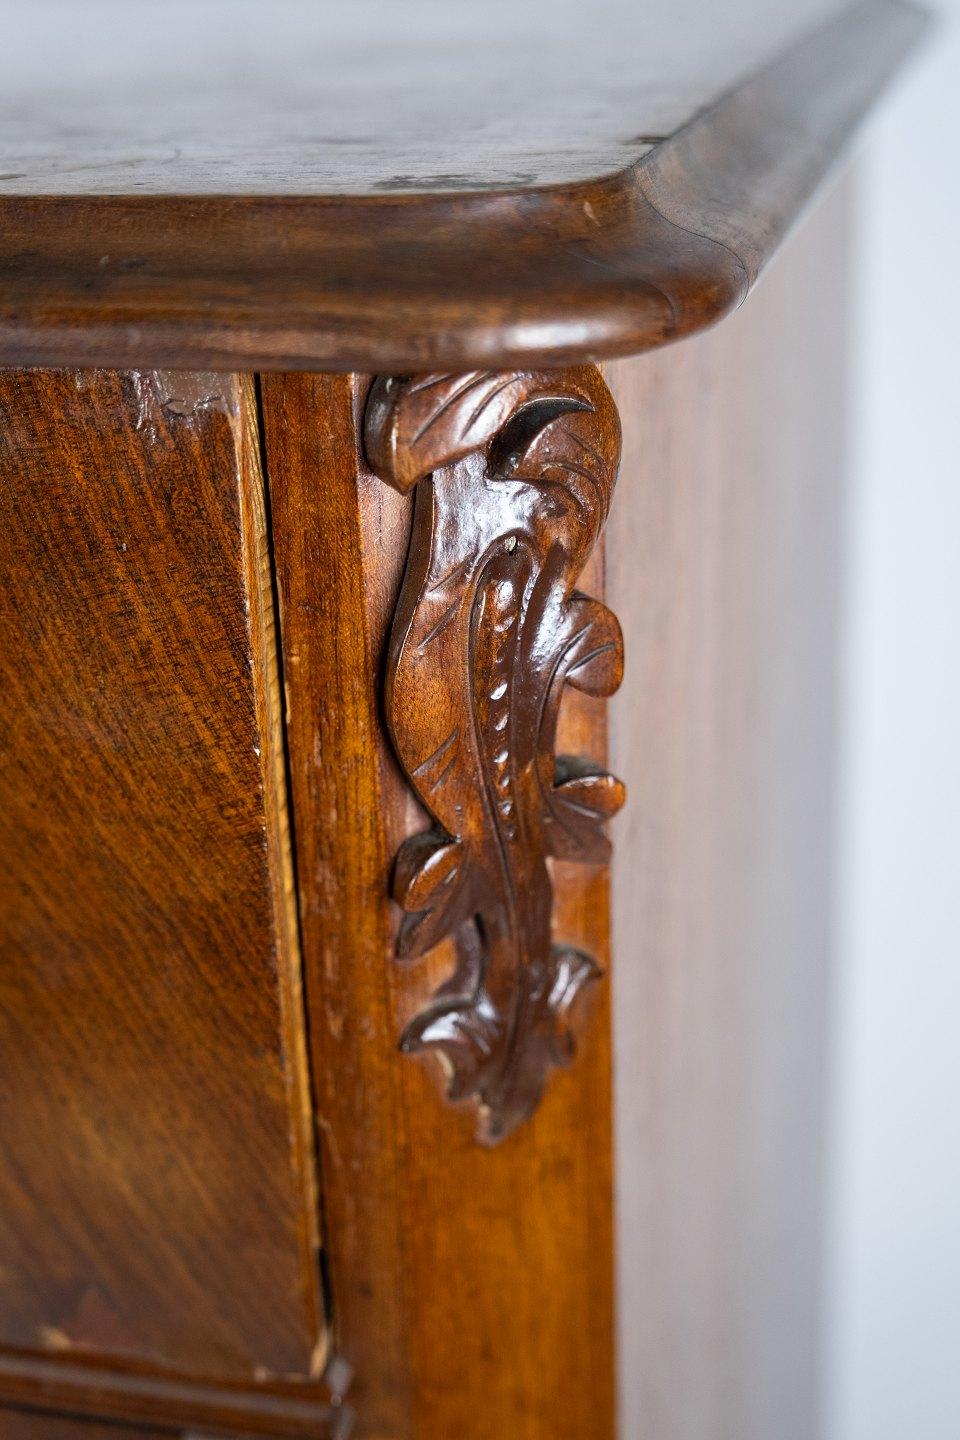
(309, 97)
(30, 1425)
(471, 1288)
(256, 837)
(294, 1411)
(725, 567)
(158, 1204)
(514, 476)
(611, 260)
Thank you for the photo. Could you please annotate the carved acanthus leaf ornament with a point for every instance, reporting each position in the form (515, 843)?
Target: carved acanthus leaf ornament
(514, 475)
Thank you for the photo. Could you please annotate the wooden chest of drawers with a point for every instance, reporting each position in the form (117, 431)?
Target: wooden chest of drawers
(318, 581)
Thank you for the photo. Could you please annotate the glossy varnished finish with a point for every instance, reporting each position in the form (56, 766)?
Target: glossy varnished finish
(725, 566)
(604, 263)
(330, 676)
(224, 846)
(127, 1396)
(514, 475)
(158, 1206)
(471, 1287)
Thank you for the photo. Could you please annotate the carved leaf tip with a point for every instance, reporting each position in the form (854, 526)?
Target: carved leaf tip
(573, 969)
(595, 662)
(583, 799)
(467, 1034)
(414, 425)
(427, 883)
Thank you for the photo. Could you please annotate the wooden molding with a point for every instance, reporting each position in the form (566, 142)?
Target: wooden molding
(624, 261)
(293, 1412)
(514, 476)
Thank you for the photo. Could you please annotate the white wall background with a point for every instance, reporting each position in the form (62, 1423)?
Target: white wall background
(893, 1341)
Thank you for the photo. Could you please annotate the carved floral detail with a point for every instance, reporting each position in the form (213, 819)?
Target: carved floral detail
(514, 475)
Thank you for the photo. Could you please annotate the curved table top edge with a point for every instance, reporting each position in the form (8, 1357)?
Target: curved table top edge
(440, 281)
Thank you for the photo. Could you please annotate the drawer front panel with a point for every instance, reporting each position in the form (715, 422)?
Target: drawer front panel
(156, 1188)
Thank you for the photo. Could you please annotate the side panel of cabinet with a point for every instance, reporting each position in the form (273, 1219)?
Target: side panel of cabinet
(157, 1205)
(724, 566)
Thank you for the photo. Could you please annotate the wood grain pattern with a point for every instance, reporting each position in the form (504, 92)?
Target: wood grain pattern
(27, 1425)
(157, 1194)
(516, 475)
(232, 97)
(330, 680)
(471, 1288)
(725, 564)
(621, 261)
(182, 1405)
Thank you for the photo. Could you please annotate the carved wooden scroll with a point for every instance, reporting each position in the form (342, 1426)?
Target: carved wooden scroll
(514, 476)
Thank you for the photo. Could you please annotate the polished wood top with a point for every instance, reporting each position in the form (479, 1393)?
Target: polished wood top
(365, 187)
(256, 97)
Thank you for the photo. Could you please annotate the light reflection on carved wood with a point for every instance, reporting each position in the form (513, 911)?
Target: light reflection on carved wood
(514, 475)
